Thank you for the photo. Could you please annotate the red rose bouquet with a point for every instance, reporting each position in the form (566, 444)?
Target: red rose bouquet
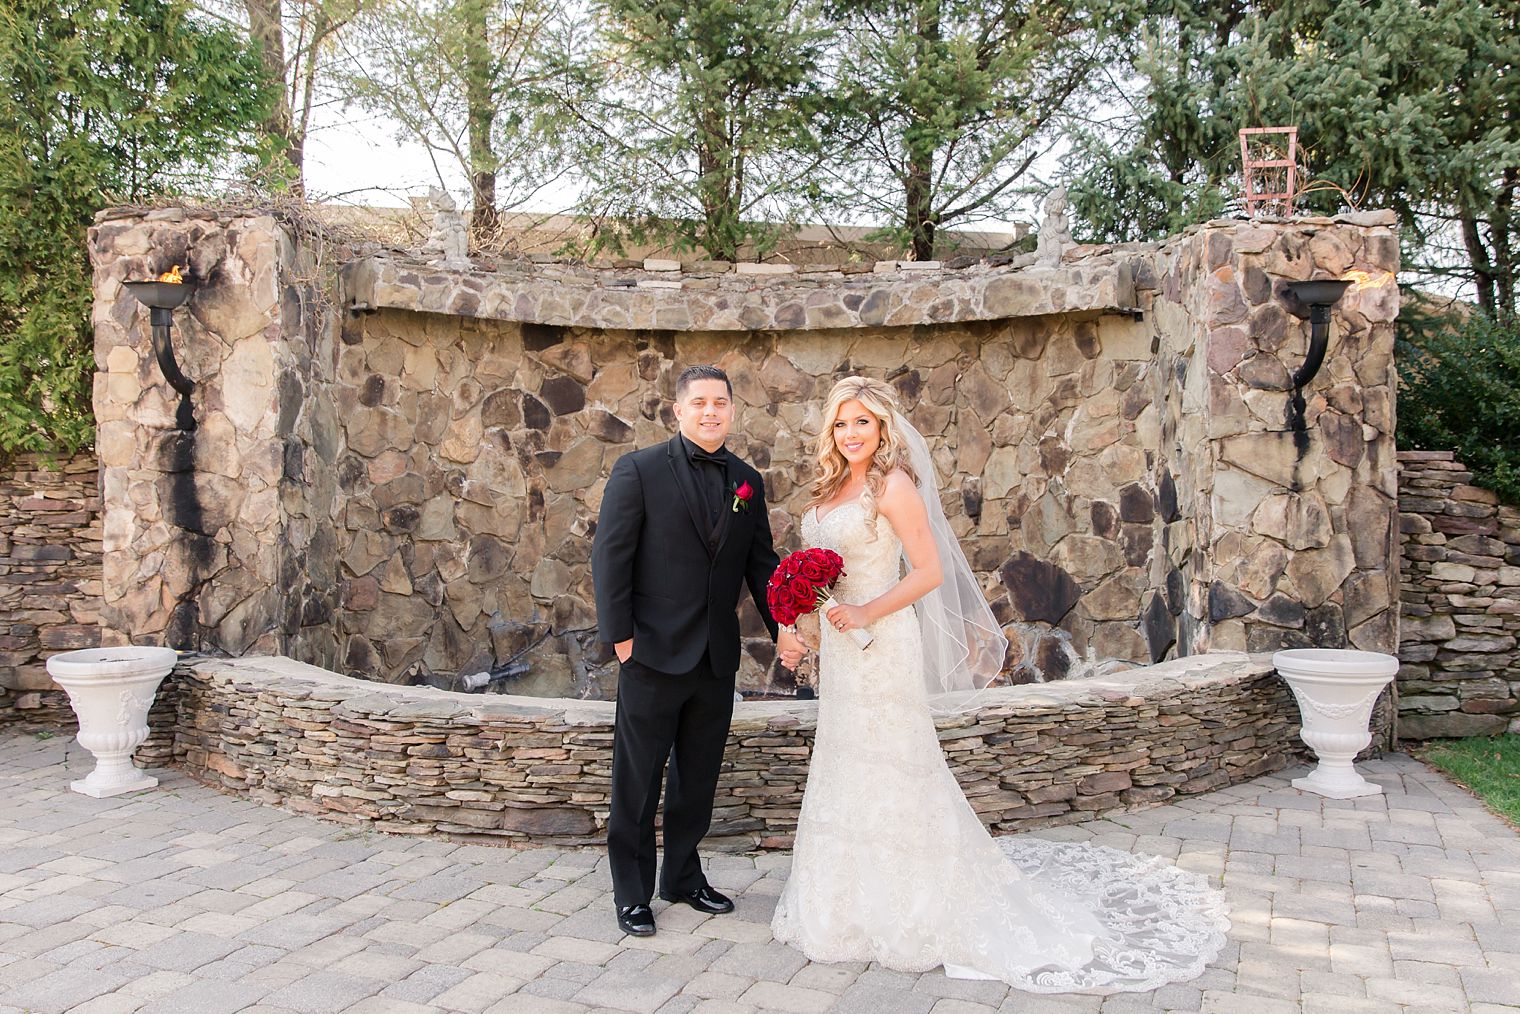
(803, 582)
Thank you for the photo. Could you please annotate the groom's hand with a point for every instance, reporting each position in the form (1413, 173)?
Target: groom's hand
(624, 650)
(790, 649)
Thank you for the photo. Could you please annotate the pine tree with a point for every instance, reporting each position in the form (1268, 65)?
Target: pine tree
(467, 79)
(947, 104)
(1408, 104)
(696, 121)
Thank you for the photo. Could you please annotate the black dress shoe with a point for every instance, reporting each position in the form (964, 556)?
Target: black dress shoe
(703, 899)
(636, 920)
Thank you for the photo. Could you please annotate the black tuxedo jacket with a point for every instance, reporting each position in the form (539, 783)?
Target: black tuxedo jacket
(662, 576)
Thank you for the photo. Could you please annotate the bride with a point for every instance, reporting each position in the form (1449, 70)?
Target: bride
(890, 863)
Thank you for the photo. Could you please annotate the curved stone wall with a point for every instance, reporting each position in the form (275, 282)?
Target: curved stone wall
(414, 760)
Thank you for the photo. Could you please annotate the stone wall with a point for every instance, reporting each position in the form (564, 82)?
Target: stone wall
(49, 577)
(414, 760)
(415, 498)
(1279, 521)
(219, 538)
(1096, 463)
(476, 455)
(1461, 602)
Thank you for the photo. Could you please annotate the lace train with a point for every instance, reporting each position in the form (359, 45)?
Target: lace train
(1160, 924)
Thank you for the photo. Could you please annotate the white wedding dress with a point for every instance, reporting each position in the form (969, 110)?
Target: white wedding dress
(892, 865)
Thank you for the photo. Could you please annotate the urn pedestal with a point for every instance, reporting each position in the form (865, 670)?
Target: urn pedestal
(1336, 690)
(111, 690)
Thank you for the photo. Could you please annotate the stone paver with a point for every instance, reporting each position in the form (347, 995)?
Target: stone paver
(184, 899)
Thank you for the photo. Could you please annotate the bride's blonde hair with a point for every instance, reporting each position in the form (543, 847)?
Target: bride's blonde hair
(833, 470)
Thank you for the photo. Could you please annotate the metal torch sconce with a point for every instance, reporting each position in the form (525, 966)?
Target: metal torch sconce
(161, 296)
(1320, 296)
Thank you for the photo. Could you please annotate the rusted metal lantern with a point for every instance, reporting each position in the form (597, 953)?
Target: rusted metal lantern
(1270, 181)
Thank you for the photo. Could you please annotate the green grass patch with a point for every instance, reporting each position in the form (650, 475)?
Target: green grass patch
(1488, 765)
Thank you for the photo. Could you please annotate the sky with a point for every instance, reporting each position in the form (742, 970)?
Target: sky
(357, 157)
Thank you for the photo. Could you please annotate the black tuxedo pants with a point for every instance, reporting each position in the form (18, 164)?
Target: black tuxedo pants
(683, 718)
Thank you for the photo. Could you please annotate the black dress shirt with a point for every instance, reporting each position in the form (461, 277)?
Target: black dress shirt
(712, 478)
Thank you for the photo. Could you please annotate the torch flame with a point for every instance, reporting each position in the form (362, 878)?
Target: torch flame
(1367, 279)
(172, 275)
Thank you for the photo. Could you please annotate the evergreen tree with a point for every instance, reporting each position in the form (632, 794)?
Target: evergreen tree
(100, 102)
(467, 79)
(1459, 390)
(948, 103)
(1408, 104)
(1174, 156)
(696, 121)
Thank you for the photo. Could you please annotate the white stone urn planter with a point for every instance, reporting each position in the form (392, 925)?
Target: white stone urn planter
(111, 690)
(1336, 689)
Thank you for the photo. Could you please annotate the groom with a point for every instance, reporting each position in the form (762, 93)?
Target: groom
(683, 528)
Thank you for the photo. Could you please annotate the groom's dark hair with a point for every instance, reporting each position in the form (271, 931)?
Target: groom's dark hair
(693, 373)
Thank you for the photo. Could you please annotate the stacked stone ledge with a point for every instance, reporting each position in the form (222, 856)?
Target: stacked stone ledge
(1461, 602)
(50, 583)
(414, 760)
(785, 298)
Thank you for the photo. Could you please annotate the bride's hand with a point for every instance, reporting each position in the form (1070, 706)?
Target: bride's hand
(843, 618)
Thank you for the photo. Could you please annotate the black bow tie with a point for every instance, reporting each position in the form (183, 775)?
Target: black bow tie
(698, 454)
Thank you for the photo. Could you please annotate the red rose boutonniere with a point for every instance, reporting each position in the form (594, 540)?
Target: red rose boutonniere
(742, 492)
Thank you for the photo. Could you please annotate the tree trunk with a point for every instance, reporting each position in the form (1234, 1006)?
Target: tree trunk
(919, 219)
(321, 25)
(1504, 250)
(1482, 266)
(265, 28)
(480, 99)
(716, 186)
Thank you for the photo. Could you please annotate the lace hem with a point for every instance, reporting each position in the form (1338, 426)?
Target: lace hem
(1158, 924)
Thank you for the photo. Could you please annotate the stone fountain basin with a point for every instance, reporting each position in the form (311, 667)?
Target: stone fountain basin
(537, 771)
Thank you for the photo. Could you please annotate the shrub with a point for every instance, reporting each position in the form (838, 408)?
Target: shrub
(99, 103)
(1459, 390)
